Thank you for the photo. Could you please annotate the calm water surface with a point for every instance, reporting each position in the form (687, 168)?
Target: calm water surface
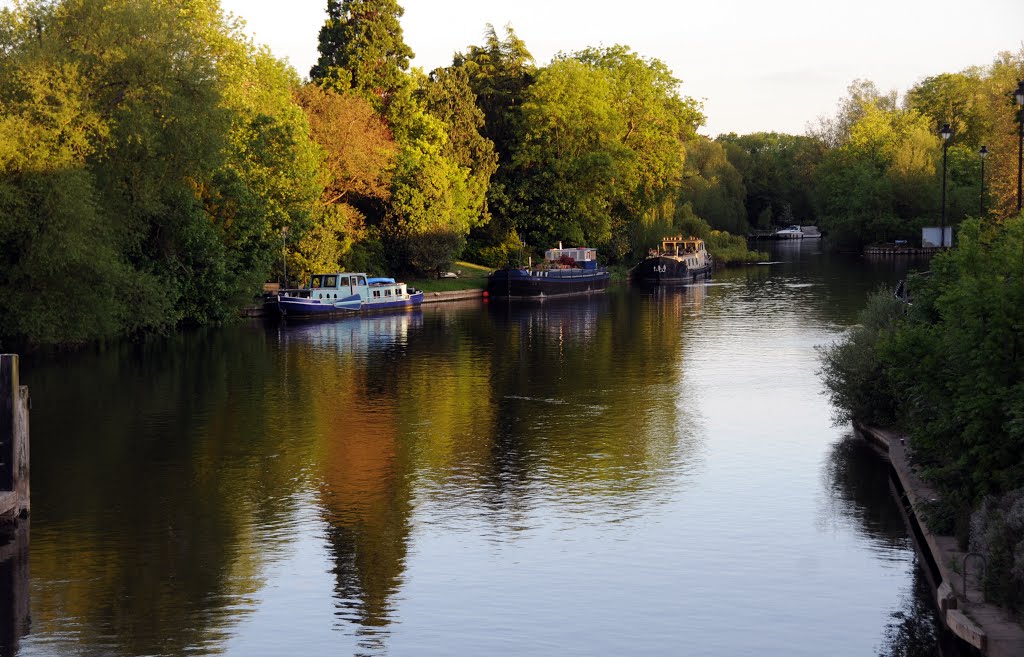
(634, 474)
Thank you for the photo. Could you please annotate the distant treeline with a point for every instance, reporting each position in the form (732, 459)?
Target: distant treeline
(156, 167)
(873, 172)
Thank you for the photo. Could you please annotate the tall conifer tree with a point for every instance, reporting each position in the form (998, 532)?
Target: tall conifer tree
(361, 48)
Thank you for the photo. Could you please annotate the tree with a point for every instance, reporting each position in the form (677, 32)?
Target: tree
(777, 170)
(655, 120)
(1001, 168)
(861, 94)
(570, 155)
(714, 186)
(448, 96)
(176, 157)
(358, 161)
(431, 192)
(499, 72)
(361, 48)
(270, 179)
(956, 99)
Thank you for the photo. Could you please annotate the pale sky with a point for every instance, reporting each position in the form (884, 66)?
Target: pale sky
(757, 65)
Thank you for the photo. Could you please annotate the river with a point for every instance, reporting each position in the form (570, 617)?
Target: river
(636, 473)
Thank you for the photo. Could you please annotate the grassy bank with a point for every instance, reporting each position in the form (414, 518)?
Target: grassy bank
(470, 277)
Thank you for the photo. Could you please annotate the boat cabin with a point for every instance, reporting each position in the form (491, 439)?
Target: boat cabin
(335, 286)
(583, 256)
(344, 285)
(681, 246)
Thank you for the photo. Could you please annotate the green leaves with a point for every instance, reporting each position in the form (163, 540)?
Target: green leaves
(175, 156)
(950, 366)
(361, 48)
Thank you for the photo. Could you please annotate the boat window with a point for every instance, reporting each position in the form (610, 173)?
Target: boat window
(387, 292)
(343, 281)
(317, 281)
(332, 281)
(362, 280)
(376, 293)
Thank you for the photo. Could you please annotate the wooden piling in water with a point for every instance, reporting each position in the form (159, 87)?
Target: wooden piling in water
(15, 499)
(14, 507)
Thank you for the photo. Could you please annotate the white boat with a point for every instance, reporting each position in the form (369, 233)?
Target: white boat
(789, 233)
(345, 293)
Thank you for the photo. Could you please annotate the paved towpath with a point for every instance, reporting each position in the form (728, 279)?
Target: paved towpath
(989, 628)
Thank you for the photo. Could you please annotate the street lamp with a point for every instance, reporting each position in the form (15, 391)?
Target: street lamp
(983, 153)
(284, 254)
(946, 133)
(1019, 96)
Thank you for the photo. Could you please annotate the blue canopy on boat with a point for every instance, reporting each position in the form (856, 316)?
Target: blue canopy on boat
(386, 281)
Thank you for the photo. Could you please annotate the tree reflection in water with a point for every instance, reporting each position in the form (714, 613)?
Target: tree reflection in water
(858, 478)
(915, 630)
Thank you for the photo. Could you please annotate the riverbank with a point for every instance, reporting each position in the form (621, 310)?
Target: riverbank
(959, 595)
(454, 295)
(901, 250)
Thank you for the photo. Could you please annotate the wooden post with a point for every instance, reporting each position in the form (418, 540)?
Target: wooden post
(8, 418)
(14, 441)
(15, 618)
(21, 453)
(14, 506)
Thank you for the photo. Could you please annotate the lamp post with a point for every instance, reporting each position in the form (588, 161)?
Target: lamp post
(983, 153)
(946, 133)
(1019, 96)
(284, 253)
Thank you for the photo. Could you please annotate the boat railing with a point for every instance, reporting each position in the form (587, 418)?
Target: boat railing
(566, 273)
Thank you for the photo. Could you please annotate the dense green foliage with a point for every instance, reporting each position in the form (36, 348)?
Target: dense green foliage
(949, 369)
(777, 171)
(150, 156)
(156, 167)
(361, 48)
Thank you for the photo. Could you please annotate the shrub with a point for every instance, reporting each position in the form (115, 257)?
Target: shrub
(852, 369)
(997, 533)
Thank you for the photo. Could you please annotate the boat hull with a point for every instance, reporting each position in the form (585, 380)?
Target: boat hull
(371, 306)
(303, 308)
(524, 284)
(667, 270)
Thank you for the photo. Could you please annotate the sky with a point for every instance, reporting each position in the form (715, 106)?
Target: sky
(756, 65)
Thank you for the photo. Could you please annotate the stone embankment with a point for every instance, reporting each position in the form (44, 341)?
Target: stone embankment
(960, 597)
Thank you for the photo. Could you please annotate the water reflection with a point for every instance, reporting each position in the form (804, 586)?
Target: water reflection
(584, 393)
(914, 630)
(160, 483)
(350, 372)
(856, 483)
(570, 406)
(351, 335)
(14, 587)
(442, 479)
(857, 479)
